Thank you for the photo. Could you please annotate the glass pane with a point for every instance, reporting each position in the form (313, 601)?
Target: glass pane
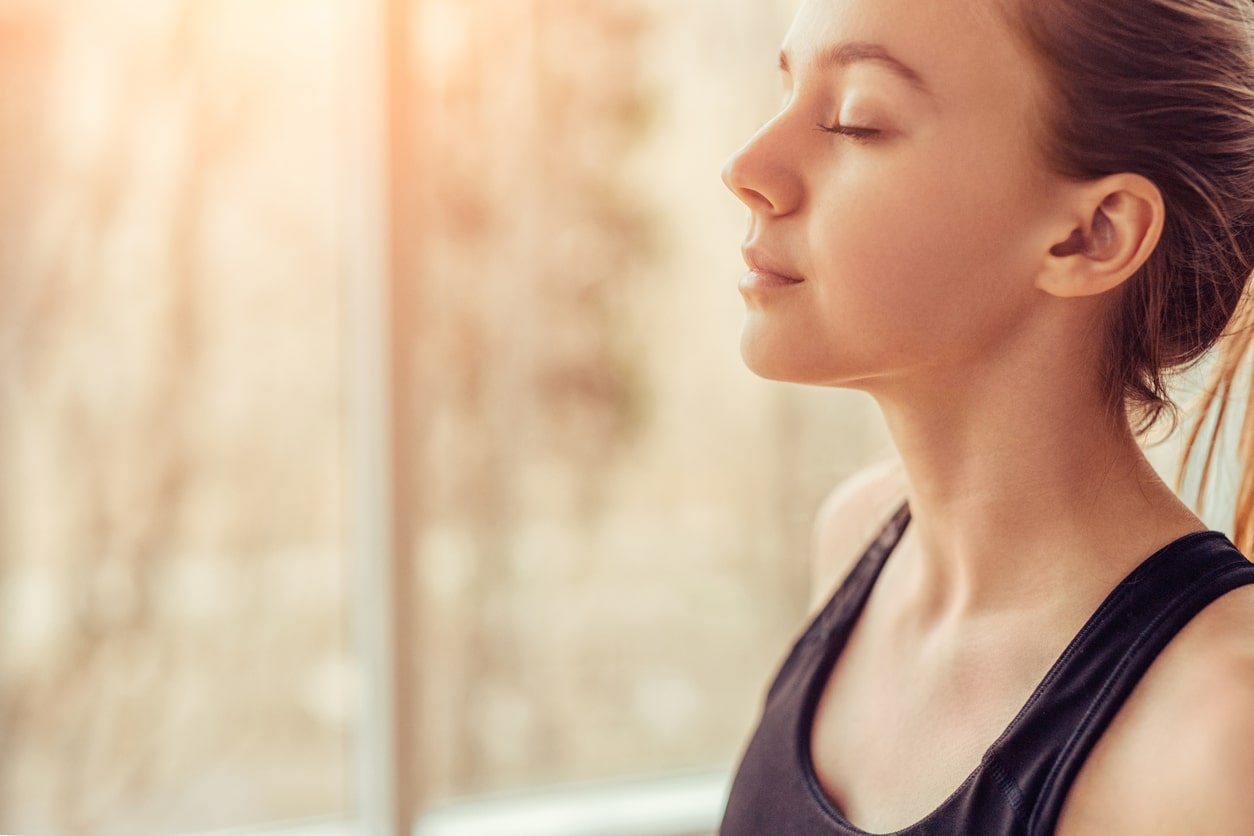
(614, 520)
(172, 655)
(615, 516)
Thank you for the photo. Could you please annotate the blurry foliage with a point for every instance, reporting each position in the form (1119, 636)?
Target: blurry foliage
(532, 242)
(610, 530)
(159, 426)
(600, 585)
(526, 201)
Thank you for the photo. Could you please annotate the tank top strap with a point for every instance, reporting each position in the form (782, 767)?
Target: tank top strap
(830, 628)
(1040, 754)
(846, 603)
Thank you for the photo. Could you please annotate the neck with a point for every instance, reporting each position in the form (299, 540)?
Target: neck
(1019, 491)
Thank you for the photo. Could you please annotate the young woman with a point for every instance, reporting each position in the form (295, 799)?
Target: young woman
(1007, 221)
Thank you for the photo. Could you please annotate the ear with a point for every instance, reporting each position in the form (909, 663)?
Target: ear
(1114, 224)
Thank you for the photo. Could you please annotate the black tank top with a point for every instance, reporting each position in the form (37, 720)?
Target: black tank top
(1021, 782)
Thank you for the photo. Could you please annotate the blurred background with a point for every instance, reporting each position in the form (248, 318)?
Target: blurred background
(371, 414)
(375, 451)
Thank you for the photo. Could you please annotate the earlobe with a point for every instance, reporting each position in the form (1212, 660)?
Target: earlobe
(1121, 220)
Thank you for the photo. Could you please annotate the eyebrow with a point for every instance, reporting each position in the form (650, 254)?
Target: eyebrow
(854, 52)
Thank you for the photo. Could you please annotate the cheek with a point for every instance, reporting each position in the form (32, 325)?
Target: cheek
(885, 271)
(928, 256)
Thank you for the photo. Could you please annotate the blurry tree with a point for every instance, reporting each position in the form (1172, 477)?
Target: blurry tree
(528, 352)
(143, 641)
(610, 521)
(27, 52)
(131, 474)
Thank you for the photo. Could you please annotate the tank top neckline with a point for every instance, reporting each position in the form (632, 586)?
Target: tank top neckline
(857, 585)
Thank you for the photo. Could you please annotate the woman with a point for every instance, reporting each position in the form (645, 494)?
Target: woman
(1007, 221)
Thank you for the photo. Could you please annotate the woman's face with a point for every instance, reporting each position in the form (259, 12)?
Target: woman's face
(898, 199)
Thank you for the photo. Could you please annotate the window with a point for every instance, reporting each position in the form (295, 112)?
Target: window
(373, 437)
(172, 490)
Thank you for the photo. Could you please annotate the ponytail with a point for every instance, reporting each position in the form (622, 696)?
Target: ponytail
(1236, 355)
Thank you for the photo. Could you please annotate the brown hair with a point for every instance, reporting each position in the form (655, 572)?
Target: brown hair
(1238, 348)
(1164, 89)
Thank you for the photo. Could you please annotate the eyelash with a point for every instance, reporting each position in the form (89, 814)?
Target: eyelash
(854, 133)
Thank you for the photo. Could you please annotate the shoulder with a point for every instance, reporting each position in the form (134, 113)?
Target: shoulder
(849, 518)
(1179, 756)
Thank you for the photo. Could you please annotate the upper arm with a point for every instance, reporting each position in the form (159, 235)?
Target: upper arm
(1179, 756)
(1206, 787)
(849, 518)
(1215, 794)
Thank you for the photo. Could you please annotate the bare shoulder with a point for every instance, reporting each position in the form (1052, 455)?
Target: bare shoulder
(849, 518)
(1179, 756)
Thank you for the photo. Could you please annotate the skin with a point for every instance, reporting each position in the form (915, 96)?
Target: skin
(925, 253)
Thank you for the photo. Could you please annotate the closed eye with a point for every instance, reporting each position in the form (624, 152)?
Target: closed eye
(851, 131)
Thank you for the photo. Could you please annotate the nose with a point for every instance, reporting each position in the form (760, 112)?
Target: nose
(761, 174)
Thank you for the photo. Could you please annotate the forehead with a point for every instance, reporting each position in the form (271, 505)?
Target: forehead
(962, 50)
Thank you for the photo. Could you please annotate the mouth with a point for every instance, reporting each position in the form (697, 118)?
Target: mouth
(758, 280)
(766, 272)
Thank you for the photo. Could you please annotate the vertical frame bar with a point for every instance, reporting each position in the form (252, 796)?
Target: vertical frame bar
(379, 418)
(402, 205)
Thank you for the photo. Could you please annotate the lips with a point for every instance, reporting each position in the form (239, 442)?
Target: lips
(766, 271)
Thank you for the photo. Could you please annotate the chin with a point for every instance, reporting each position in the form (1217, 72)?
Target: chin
(781, 357)
(783, 360)
(760, 355)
